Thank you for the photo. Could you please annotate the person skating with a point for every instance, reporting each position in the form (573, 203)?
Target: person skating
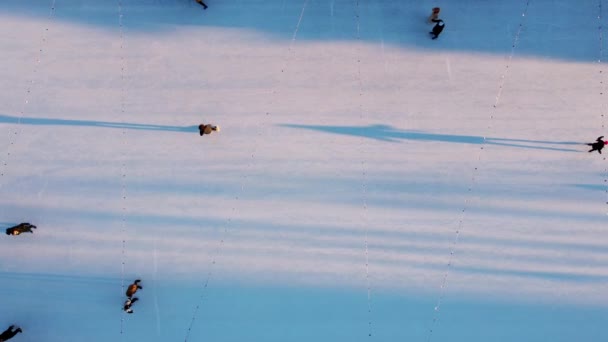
(9, 333)
(207, 129)
(598, 145)
(127, 306)
(133, 288)
(434, 14)
(200, 2)
(20, 228)
(437, 29)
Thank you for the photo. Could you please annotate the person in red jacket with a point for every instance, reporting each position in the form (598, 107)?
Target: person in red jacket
(598, 145)
(9, 333)
(133, 288)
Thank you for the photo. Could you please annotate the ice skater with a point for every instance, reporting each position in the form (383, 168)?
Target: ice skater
(127, 306)
(438, 28)
(133, 288)
(207, 129)
(9, 333)
(598, 145)
(200, 2)
(434, 14)
(20, 228)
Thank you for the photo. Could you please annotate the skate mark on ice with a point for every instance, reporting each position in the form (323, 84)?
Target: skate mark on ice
(603, 118)
(448, 67)
(156, 307)
(123, 154)
(474, 172)
(13, 135)
(364, 181)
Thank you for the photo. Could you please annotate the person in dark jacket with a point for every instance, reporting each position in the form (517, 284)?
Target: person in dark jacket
(9, 333)
(127, 306)
(20, 228)
(598, 145)
(133, 288)
(200, 2)
(437, 29)
(207, 129)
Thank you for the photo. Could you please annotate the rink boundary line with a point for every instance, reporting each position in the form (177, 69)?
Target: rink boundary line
(245, 177)
(123, 168)
(364, 178)
(473, 181)
(13, 135)
(600, 59)
(602, 117)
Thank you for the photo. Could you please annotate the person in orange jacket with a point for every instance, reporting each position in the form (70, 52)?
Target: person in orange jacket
(434, 14)
(133, 288)
(207, 129)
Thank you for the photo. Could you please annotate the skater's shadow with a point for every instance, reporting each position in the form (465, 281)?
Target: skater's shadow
(593, 187)
(89, 123)
(391, 134)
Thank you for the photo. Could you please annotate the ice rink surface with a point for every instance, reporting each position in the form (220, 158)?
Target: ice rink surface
(368, 183)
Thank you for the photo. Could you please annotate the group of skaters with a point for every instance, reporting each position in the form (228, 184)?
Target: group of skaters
(15, 230)
(599, 143)
(434, 18)
(26, 227)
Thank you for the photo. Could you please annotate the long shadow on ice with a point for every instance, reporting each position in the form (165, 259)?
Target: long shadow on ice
(391, 134)
(567, 30)
(596, 187)
(90, 123)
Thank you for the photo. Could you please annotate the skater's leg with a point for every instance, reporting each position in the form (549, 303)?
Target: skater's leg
(200, 2)
(9, 333)
(5, 335)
